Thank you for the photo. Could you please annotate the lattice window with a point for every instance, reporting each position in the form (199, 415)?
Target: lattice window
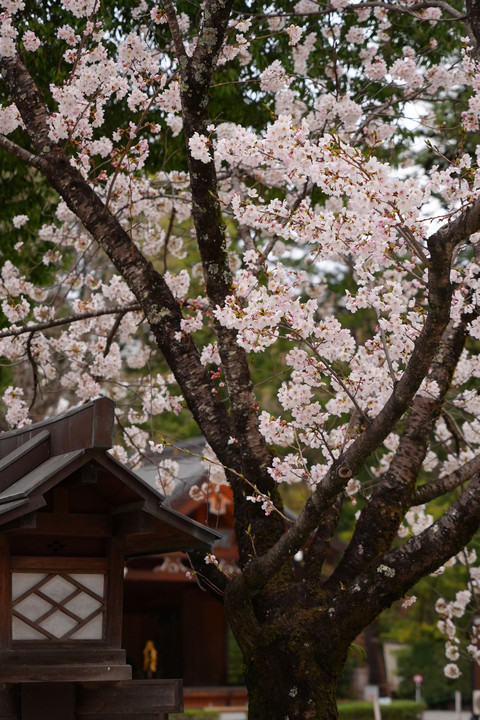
(58, 606)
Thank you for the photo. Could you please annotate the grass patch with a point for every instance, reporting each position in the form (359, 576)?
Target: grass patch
(195, 714)
(397, 710)
(354, 710)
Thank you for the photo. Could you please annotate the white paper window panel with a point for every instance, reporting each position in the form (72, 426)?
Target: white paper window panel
(21, 582)
(91, 631)
(83, 605)
(33, 607)
(93, 581)
(59, 624)
(58, 588)
(22, 631)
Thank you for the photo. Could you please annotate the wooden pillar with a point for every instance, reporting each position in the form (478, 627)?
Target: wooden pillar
(9, 702)
(45, 701)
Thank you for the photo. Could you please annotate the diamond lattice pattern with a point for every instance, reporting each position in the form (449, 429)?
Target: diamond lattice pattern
(58, 606)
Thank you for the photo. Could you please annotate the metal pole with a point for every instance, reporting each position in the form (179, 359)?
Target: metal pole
(458, 705)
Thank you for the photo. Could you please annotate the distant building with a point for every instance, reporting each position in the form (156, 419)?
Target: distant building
(164, 603)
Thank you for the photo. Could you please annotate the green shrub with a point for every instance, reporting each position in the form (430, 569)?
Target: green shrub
(355, 710)
(195, 714)
(397, 710)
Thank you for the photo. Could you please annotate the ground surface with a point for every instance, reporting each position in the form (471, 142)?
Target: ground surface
(428, 715)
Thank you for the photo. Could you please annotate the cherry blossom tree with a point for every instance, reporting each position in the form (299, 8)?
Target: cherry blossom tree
(239, 180)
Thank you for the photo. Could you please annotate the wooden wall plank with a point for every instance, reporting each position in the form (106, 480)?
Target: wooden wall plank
(59, 564)
(5, 594)
(133, 698)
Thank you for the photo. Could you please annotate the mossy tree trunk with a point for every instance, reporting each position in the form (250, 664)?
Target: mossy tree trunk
(286, 684)
(294, 649)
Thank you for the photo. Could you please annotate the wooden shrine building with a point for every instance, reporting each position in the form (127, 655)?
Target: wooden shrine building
(70, 517)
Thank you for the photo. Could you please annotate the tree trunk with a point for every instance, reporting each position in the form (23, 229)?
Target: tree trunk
(294, 650)
(286, 682)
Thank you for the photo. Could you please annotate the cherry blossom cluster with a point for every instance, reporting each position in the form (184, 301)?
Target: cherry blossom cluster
(307, 196)
(461, 608)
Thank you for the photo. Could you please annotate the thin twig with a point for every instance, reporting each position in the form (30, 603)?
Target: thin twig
(113, 332)
(227, 469)
(15, 332)
(34, 365)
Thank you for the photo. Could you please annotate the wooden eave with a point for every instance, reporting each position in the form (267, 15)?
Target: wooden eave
(87, 426)
(32, 468)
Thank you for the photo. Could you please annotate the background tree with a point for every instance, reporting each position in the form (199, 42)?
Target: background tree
(240, 181)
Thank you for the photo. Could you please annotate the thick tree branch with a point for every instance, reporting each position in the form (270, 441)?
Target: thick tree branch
(473, 18)
(160, 306)
(441, 245)
(22, 154)
(316, 552)
(174, 29)
(196, 77)
(379, 521)
(447, 483)
(392, 575)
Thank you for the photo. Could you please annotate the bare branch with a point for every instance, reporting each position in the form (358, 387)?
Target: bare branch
(174, 28)
(34, 366)
(414, 9)
(113, 331)
(49, 324)
(22, 154)
(447, 483)
(391, 575)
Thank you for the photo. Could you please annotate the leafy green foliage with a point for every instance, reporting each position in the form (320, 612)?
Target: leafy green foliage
(426, 656)
(195, 714)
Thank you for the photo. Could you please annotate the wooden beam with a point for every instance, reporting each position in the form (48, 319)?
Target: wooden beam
(87, 426)
(134, 699)
(31, 654)
(133, 716)
(35, 674)
(79, 525)
(114, 593)
(5, 593)
(25, 522)
(134, 522)
(59, 564)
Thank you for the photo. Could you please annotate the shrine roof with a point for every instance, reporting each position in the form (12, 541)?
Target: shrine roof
(73, 449)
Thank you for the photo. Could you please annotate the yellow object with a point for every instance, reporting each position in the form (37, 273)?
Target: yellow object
(149, 658)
